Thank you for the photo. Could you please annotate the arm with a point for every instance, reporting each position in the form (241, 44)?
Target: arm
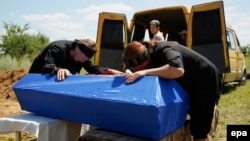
(165, 71)
(52, 58)
(172, 66)
(96, 69)
(48, 59)
(109, 71)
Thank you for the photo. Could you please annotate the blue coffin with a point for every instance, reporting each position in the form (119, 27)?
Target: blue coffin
(151, 107)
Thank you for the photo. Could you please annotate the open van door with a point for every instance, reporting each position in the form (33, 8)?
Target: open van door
(112, 37)
(206, 33)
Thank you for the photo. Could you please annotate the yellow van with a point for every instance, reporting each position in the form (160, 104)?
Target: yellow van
(207, 34)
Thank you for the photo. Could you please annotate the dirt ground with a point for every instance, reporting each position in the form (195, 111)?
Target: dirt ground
(8, 102)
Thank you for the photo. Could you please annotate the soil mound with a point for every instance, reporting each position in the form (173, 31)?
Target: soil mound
(8, 101)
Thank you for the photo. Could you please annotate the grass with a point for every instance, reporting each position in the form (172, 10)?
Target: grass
(234, 107)
(8, 63)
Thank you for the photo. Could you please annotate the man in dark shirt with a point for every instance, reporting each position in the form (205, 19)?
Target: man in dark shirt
(195, 73)
(64, 57)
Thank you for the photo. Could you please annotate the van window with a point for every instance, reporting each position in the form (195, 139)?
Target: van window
(204, 33)
(230, 40)
(138, 32)
(171, 36)
(206, 36)
(111, 47)
(112, 31)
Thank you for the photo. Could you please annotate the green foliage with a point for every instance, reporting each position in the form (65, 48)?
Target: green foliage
(17, 42)
(8, 63)
(246, 48)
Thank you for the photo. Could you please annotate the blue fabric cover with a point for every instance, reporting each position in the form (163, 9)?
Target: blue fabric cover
(151, 107)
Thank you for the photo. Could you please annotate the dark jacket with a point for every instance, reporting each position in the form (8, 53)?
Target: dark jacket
(200, 73)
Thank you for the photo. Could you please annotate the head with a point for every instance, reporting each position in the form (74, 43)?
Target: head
(183, 35)
(136, 56)
(83, 49)
(154, 26)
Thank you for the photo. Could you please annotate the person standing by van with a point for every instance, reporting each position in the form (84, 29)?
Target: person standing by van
(183, 36)
(155, 30)
(195, 73)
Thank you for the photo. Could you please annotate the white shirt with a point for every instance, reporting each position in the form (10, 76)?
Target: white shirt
(158, 36)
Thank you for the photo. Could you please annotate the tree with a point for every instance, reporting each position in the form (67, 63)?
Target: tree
(17, 42)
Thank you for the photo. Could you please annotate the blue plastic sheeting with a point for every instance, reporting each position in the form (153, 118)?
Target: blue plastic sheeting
(151, 107)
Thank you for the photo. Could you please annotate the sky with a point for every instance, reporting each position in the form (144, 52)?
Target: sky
(75, 19)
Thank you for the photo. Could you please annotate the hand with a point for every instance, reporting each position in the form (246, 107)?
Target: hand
(132, 77)
(61, 73)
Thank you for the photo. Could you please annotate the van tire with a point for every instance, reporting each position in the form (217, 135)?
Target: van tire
(243, 79)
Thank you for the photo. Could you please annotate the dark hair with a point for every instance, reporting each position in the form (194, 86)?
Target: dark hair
(135, 54)
(145, 43)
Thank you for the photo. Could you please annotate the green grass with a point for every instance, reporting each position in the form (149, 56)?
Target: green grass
(8, 63)
(234, 107)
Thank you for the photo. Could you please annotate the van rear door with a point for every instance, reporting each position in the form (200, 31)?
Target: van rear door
(206, 33)
(112, 37)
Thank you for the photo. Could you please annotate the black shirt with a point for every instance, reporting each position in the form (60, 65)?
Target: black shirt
(199, 71)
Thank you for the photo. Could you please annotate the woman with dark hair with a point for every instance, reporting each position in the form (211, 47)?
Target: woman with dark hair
(195, 73)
